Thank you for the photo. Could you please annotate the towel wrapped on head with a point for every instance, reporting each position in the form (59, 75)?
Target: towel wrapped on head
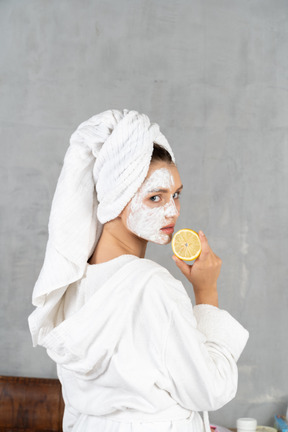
(107, 161)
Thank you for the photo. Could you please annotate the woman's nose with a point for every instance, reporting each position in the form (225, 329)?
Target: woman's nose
(171, 209)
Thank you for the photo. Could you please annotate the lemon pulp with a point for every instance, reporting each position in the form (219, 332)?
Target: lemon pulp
(186, 244)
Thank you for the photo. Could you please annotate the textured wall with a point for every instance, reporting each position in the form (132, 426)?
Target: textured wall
(213, 74)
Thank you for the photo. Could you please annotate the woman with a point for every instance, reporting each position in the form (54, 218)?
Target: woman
(132, 353)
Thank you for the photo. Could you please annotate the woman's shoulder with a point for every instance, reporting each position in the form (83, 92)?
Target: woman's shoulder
(154, 269)
(143, 275)
(158, 280)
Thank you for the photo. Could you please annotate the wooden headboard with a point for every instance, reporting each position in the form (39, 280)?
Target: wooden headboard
(30, 404)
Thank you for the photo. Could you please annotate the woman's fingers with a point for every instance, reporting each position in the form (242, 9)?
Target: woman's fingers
(207, 255)
(205, 248)
(185, 268)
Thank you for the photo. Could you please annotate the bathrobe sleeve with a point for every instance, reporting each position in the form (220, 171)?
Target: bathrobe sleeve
(200, 355)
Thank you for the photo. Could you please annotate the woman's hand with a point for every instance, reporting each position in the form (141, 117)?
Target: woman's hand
(203, 274)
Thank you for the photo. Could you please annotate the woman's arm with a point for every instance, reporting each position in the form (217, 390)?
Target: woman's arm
(202, 348)
(200, 355)
(203, 274)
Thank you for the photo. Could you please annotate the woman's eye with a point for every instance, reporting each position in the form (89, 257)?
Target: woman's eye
(155, 198)
(176, 195)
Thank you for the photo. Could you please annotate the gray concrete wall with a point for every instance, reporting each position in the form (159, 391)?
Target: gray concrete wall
(213, 74)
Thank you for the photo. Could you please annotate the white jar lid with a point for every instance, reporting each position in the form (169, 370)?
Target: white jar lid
(247, 423)
(265, 429)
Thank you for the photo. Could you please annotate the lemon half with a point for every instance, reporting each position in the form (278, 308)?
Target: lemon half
(186, 244)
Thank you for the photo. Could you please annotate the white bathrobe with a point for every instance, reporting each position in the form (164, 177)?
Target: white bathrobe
(133, 356)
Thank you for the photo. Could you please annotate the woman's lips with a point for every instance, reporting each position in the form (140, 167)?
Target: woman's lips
(169, 229)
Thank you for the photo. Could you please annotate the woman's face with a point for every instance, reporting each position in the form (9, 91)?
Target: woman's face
(154, 210)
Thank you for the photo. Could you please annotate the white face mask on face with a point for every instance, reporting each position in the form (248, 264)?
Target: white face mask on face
(145, 220)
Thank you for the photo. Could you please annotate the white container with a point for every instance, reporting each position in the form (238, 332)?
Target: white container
(246, 424)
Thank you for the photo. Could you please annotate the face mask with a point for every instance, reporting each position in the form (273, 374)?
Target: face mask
(146, 220)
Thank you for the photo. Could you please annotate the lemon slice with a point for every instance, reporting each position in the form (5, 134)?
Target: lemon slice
(186, 244)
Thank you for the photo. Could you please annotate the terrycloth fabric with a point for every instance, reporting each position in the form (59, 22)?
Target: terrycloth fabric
(111, 151)
(131, 356)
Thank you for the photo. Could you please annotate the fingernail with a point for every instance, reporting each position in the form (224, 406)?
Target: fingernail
(174, 258)
(201, 233)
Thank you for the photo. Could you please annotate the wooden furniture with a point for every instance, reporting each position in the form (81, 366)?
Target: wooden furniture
(30, 404)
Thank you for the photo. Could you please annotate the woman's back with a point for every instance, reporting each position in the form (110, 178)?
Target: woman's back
(124, 371)
(128, 317)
